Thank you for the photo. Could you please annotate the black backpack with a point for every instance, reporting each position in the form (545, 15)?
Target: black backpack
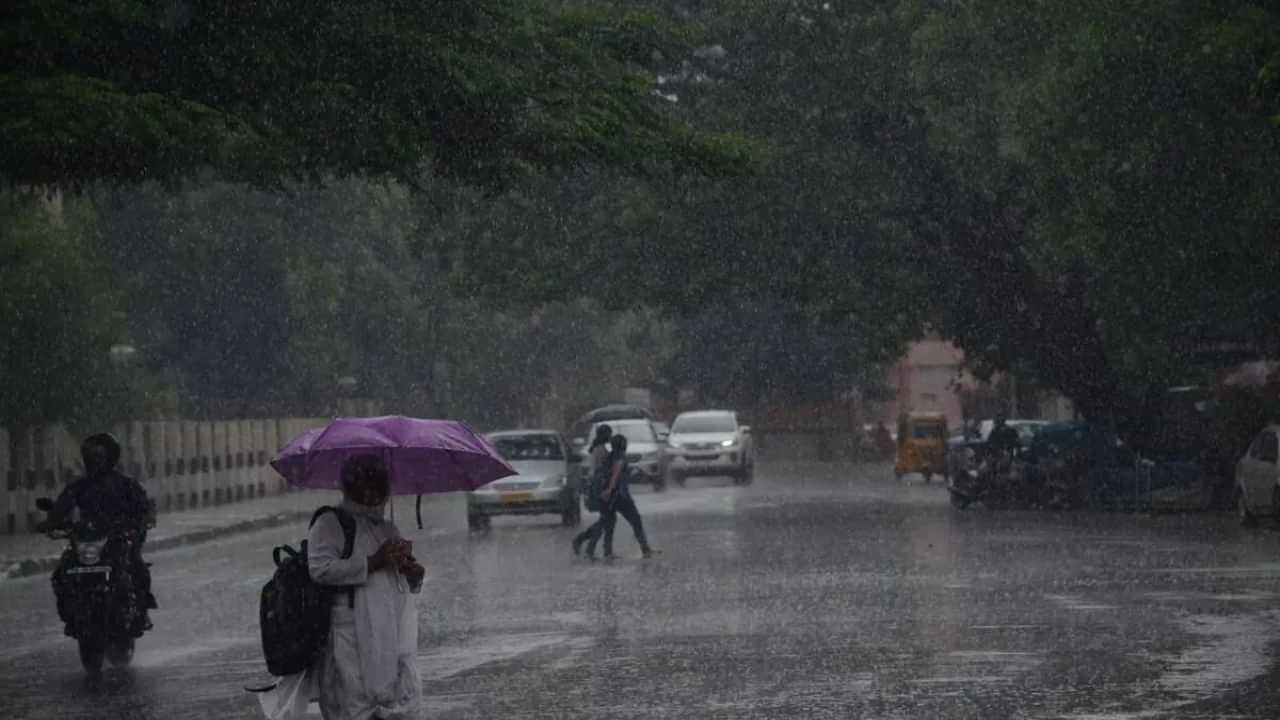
(293, 610)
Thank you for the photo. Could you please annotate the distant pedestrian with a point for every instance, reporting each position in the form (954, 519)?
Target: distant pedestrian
(884, 442)
(597, 469)
(616, 499)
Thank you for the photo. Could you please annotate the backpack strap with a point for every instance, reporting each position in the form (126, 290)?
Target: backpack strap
(348, 524)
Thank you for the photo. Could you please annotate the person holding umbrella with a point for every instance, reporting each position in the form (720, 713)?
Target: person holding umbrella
(369, 664)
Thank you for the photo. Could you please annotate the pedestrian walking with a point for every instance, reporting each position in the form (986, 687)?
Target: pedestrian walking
(616, 499)
(597, 467)
(884, 442)
(367, 669)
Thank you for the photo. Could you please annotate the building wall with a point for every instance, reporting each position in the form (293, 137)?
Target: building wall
(928, 380)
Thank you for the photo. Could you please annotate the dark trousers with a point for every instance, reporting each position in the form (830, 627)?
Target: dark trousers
(626, 507)
(591, 535)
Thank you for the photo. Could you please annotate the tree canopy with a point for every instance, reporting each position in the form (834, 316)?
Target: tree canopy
(480, 90)
(1084, 192)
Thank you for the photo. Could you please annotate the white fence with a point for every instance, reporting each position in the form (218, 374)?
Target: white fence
(183, 464)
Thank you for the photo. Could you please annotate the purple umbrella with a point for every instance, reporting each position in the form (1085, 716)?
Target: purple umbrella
(423, 456)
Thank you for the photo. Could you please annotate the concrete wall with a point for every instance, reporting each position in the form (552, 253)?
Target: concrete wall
(183, 465)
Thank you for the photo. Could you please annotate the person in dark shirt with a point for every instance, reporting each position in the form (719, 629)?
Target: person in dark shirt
(1002, 438)
(111, 502)
(106, 498)
(617, 499)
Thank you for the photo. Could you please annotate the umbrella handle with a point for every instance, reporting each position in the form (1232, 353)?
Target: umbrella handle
(419, 512)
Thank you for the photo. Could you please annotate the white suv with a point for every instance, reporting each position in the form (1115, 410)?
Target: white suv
(709, 442)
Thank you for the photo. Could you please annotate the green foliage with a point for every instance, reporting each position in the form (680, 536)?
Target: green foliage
(251, 303)
(1084, 192)
(57, 323)
(483, 91)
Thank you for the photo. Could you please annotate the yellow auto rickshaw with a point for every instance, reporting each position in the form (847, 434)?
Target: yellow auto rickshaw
(922, 445)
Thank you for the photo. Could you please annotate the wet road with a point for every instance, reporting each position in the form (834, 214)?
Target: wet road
(819, 592)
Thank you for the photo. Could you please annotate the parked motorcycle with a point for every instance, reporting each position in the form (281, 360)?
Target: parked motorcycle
(107, 608)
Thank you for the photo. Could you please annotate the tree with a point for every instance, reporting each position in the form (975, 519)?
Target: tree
(57, 317)
(480, 90)
(1079, 192)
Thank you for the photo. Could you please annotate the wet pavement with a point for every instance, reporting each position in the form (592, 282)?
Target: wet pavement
(820, 591)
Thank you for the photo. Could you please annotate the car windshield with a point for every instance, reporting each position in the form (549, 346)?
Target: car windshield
(635, 431)
(925, 430)
(719, 423)
(528, 447)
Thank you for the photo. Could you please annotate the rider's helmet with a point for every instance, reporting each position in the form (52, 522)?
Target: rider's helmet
(100, 453)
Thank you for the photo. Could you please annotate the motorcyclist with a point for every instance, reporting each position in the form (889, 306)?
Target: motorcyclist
(113, 503)
(1002, 439)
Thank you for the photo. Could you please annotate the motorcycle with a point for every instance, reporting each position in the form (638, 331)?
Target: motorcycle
(997, 480)
(107, 609)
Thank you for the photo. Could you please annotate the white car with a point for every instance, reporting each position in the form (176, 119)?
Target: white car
(710, 442)
(1258, 477)
(643, 452)
(544, 484)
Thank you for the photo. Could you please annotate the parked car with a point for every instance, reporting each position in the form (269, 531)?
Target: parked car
(707, 443)
(643, 451)
(1257, 484)
(545, 483)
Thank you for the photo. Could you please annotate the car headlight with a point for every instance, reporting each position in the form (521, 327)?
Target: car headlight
(556, 481)
(90, 552)
(674, 445)
(727, 443)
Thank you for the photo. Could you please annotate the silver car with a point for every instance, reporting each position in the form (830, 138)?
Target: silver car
(643, 451)
(544, 485)
(710, 442)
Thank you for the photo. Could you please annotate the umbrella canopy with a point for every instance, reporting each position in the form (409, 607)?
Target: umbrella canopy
(423, 456)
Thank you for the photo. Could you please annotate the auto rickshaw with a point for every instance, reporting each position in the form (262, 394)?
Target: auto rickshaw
(922, 445)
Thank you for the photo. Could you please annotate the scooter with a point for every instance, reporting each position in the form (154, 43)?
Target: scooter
(107, 609)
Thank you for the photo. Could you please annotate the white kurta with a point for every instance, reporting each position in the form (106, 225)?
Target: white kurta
(369, 669)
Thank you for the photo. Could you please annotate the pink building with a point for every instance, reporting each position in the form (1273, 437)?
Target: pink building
(928, 379)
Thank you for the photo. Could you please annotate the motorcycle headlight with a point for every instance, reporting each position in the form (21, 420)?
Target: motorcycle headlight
(90, 552)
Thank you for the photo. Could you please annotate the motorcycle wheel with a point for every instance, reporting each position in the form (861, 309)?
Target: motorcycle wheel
(120, 652)
(92, 651)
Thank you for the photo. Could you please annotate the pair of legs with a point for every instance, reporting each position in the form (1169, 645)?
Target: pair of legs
(624, 506)
(591, 535)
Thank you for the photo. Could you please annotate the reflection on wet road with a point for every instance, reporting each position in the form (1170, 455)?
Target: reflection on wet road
(819, 592)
